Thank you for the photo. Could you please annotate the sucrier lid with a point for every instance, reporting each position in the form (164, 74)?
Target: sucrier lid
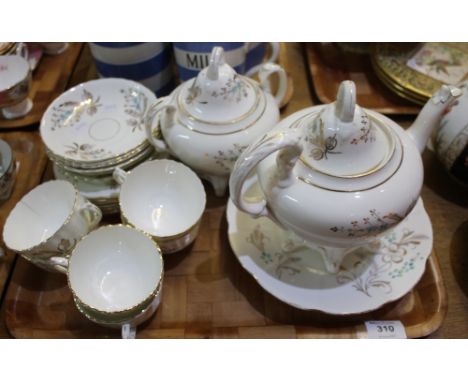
(218, 94)
(343, 141)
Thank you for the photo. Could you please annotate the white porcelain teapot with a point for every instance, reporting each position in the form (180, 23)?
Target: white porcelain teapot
(338, 175)
(209, 120)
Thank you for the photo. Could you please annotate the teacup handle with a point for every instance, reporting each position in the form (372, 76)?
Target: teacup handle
(264, 73)
(91, 213)
(128, 332)
(60, 263)
(119, 175)
(289, 152)
(154, 110)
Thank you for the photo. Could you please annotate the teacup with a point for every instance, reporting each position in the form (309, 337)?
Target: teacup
(15, 82)
(115, 274)
(244, 57)
(7, 170)
(47, 222)
(163, 198)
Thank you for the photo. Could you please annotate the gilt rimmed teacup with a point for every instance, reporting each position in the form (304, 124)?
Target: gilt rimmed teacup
(7, 170)
(165, 199)
(47, 222)
(115, 274)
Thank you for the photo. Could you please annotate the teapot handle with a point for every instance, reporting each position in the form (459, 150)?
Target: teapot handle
(289, 152)
(154, 110)
(265, 71)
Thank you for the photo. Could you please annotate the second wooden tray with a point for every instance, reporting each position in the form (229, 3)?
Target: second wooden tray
(207, 294)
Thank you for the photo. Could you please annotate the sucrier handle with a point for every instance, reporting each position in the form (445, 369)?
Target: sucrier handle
(154, 111)
(289, 151)
(266, 70)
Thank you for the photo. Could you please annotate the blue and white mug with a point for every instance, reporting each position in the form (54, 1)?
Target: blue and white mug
(149, 63)
(244, 57)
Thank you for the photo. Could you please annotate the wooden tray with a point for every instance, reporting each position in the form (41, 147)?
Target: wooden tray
(29, 151)
(329, 65)
(50, 79)
(207, 294)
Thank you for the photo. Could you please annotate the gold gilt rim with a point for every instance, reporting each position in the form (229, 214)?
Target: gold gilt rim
(227, 133)
(162, 239)
(258, 96)
(309, 182)
(116, 321)
(66, 221)
(152, 294)
(383, 50)
(377, 167)
(105, 171)
(97, 164)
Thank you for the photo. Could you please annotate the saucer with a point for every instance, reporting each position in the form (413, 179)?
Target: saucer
(297, 276)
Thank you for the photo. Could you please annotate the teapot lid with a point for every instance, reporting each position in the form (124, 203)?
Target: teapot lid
(343, 141)
(218, 95)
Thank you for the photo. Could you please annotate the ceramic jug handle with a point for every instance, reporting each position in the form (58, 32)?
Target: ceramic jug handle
(265, 71)
(289, 151)
(91, 213)
(153, 112)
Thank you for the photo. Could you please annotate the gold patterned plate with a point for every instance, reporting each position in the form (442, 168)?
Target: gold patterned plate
(297, 276)
(416, 71)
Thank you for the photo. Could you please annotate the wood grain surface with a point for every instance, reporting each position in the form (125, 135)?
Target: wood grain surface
(49, 80)
(329, 65)
(215, 294)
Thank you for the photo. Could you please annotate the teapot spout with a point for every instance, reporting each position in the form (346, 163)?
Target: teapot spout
(431, 113)
(216, 59)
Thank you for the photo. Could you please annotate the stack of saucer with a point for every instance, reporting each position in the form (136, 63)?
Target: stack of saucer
(93, 128)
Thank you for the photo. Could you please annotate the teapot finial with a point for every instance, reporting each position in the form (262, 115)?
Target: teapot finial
(216, 60)
(346, 101)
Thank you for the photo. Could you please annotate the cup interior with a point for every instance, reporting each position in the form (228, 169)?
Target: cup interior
(162, 197)
(39, 215)
(114, 268)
